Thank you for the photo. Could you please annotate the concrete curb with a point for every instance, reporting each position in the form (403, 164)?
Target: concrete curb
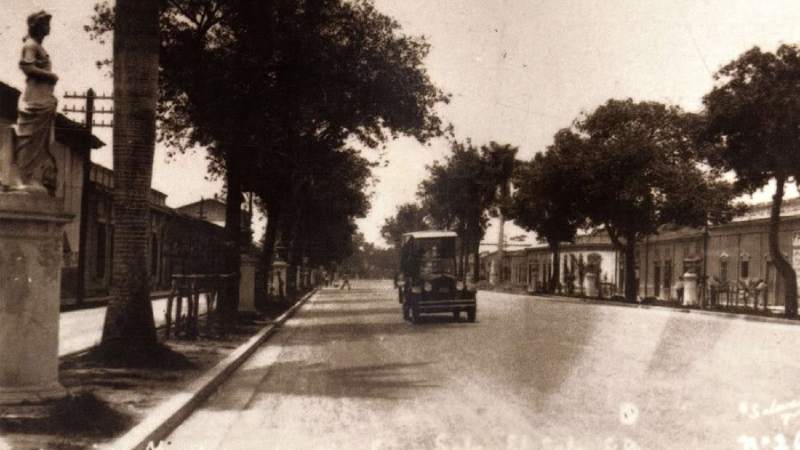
(590, 301)
(167, 416)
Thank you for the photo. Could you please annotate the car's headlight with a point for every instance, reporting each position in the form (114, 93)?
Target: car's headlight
(401, 282)
(471, 286)
(416, 290)
(459, 285)
(428, 286)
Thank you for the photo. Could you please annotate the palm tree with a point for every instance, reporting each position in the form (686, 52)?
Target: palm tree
(129, 327)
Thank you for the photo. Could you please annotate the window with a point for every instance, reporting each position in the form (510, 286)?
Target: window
(745, 269)
(100, 260)
(723, 270)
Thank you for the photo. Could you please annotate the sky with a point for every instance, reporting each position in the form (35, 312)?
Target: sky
(517, 70)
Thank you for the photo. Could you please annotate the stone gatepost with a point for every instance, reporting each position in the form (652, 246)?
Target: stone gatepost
(247, 284)
(689, 289)
(31, 239)
(590, 284)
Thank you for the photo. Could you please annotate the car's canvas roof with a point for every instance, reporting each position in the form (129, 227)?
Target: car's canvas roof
(431, 234)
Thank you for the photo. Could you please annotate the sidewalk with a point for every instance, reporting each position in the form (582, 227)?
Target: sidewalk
(81, 329)
(71, 303)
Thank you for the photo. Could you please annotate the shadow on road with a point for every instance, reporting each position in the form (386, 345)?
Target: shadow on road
(383, 381)
(319, 313)
(327, 333)
(683, 342)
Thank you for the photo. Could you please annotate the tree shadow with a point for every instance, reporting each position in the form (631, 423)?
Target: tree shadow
(320, 313)
(330, 332)
(680, 345)
(392, 381)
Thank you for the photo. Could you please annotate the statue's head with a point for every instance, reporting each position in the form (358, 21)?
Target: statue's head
(39, 24)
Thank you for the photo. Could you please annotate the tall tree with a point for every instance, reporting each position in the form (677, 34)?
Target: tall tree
(129, 326)
(409, 217)
(544, 201)
(638, 168)
(300, 78)
(502, 160)
(753, 118)
(459, 195)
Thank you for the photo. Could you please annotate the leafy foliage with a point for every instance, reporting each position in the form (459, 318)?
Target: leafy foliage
(409, 217)
(635, 168)
(543, 202)
(461, 193)
(273, 88)
(753, 128)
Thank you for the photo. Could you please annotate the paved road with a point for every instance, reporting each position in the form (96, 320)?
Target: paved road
(348, 373)
(82, 329)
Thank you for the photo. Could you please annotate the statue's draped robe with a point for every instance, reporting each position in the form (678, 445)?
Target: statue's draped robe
(35, 133)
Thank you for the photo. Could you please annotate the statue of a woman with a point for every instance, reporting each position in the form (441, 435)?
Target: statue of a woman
(34, 162)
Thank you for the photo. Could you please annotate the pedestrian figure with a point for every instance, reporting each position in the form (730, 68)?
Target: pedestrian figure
(761, 290)
(679, 289)
(713, 284)
(345, 281)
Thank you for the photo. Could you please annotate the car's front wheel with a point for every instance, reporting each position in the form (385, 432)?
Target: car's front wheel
(471, 313)
(414, 314)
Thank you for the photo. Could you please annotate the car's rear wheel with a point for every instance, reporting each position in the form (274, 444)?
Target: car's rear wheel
(456, 315)
(471, 313)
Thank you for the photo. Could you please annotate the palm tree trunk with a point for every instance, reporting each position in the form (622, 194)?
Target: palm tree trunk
(129, 320)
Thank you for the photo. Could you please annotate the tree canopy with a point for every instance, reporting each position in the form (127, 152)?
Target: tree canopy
(544, 199)
(272, 87)
(753, 128)
(636, 168)
(409, 217)
(461, 193)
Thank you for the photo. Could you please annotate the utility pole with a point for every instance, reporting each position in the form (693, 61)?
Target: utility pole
(88, 123)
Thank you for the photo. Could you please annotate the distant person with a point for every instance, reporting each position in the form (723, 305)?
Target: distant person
(345, 281)
(761, 293)
(713, 288)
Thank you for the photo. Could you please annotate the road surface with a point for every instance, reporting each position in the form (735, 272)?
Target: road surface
(348, 373)
(82, 329)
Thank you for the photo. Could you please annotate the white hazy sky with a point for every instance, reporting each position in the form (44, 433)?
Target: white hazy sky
(518, 70)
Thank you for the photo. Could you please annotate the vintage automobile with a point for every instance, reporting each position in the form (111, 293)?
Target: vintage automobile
(428, 281)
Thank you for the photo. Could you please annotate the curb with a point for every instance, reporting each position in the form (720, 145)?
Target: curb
(721, 314)
(169, 415)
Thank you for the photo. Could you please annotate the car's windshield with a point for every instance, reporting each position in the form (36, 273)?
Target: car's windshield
(437, 255)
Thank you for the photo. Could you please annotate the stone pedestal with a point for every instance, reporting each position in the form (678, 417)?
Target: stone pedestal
(247, 284)
(689, 289)
(31, 240)
(492, 273)
(590, 284)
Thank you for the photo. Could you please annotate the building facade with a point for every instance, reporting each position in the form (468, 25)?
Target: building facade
(731, 261)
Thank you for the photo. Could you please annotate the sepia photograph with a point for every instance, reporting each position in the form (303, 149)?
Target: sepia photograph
(399, 224)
